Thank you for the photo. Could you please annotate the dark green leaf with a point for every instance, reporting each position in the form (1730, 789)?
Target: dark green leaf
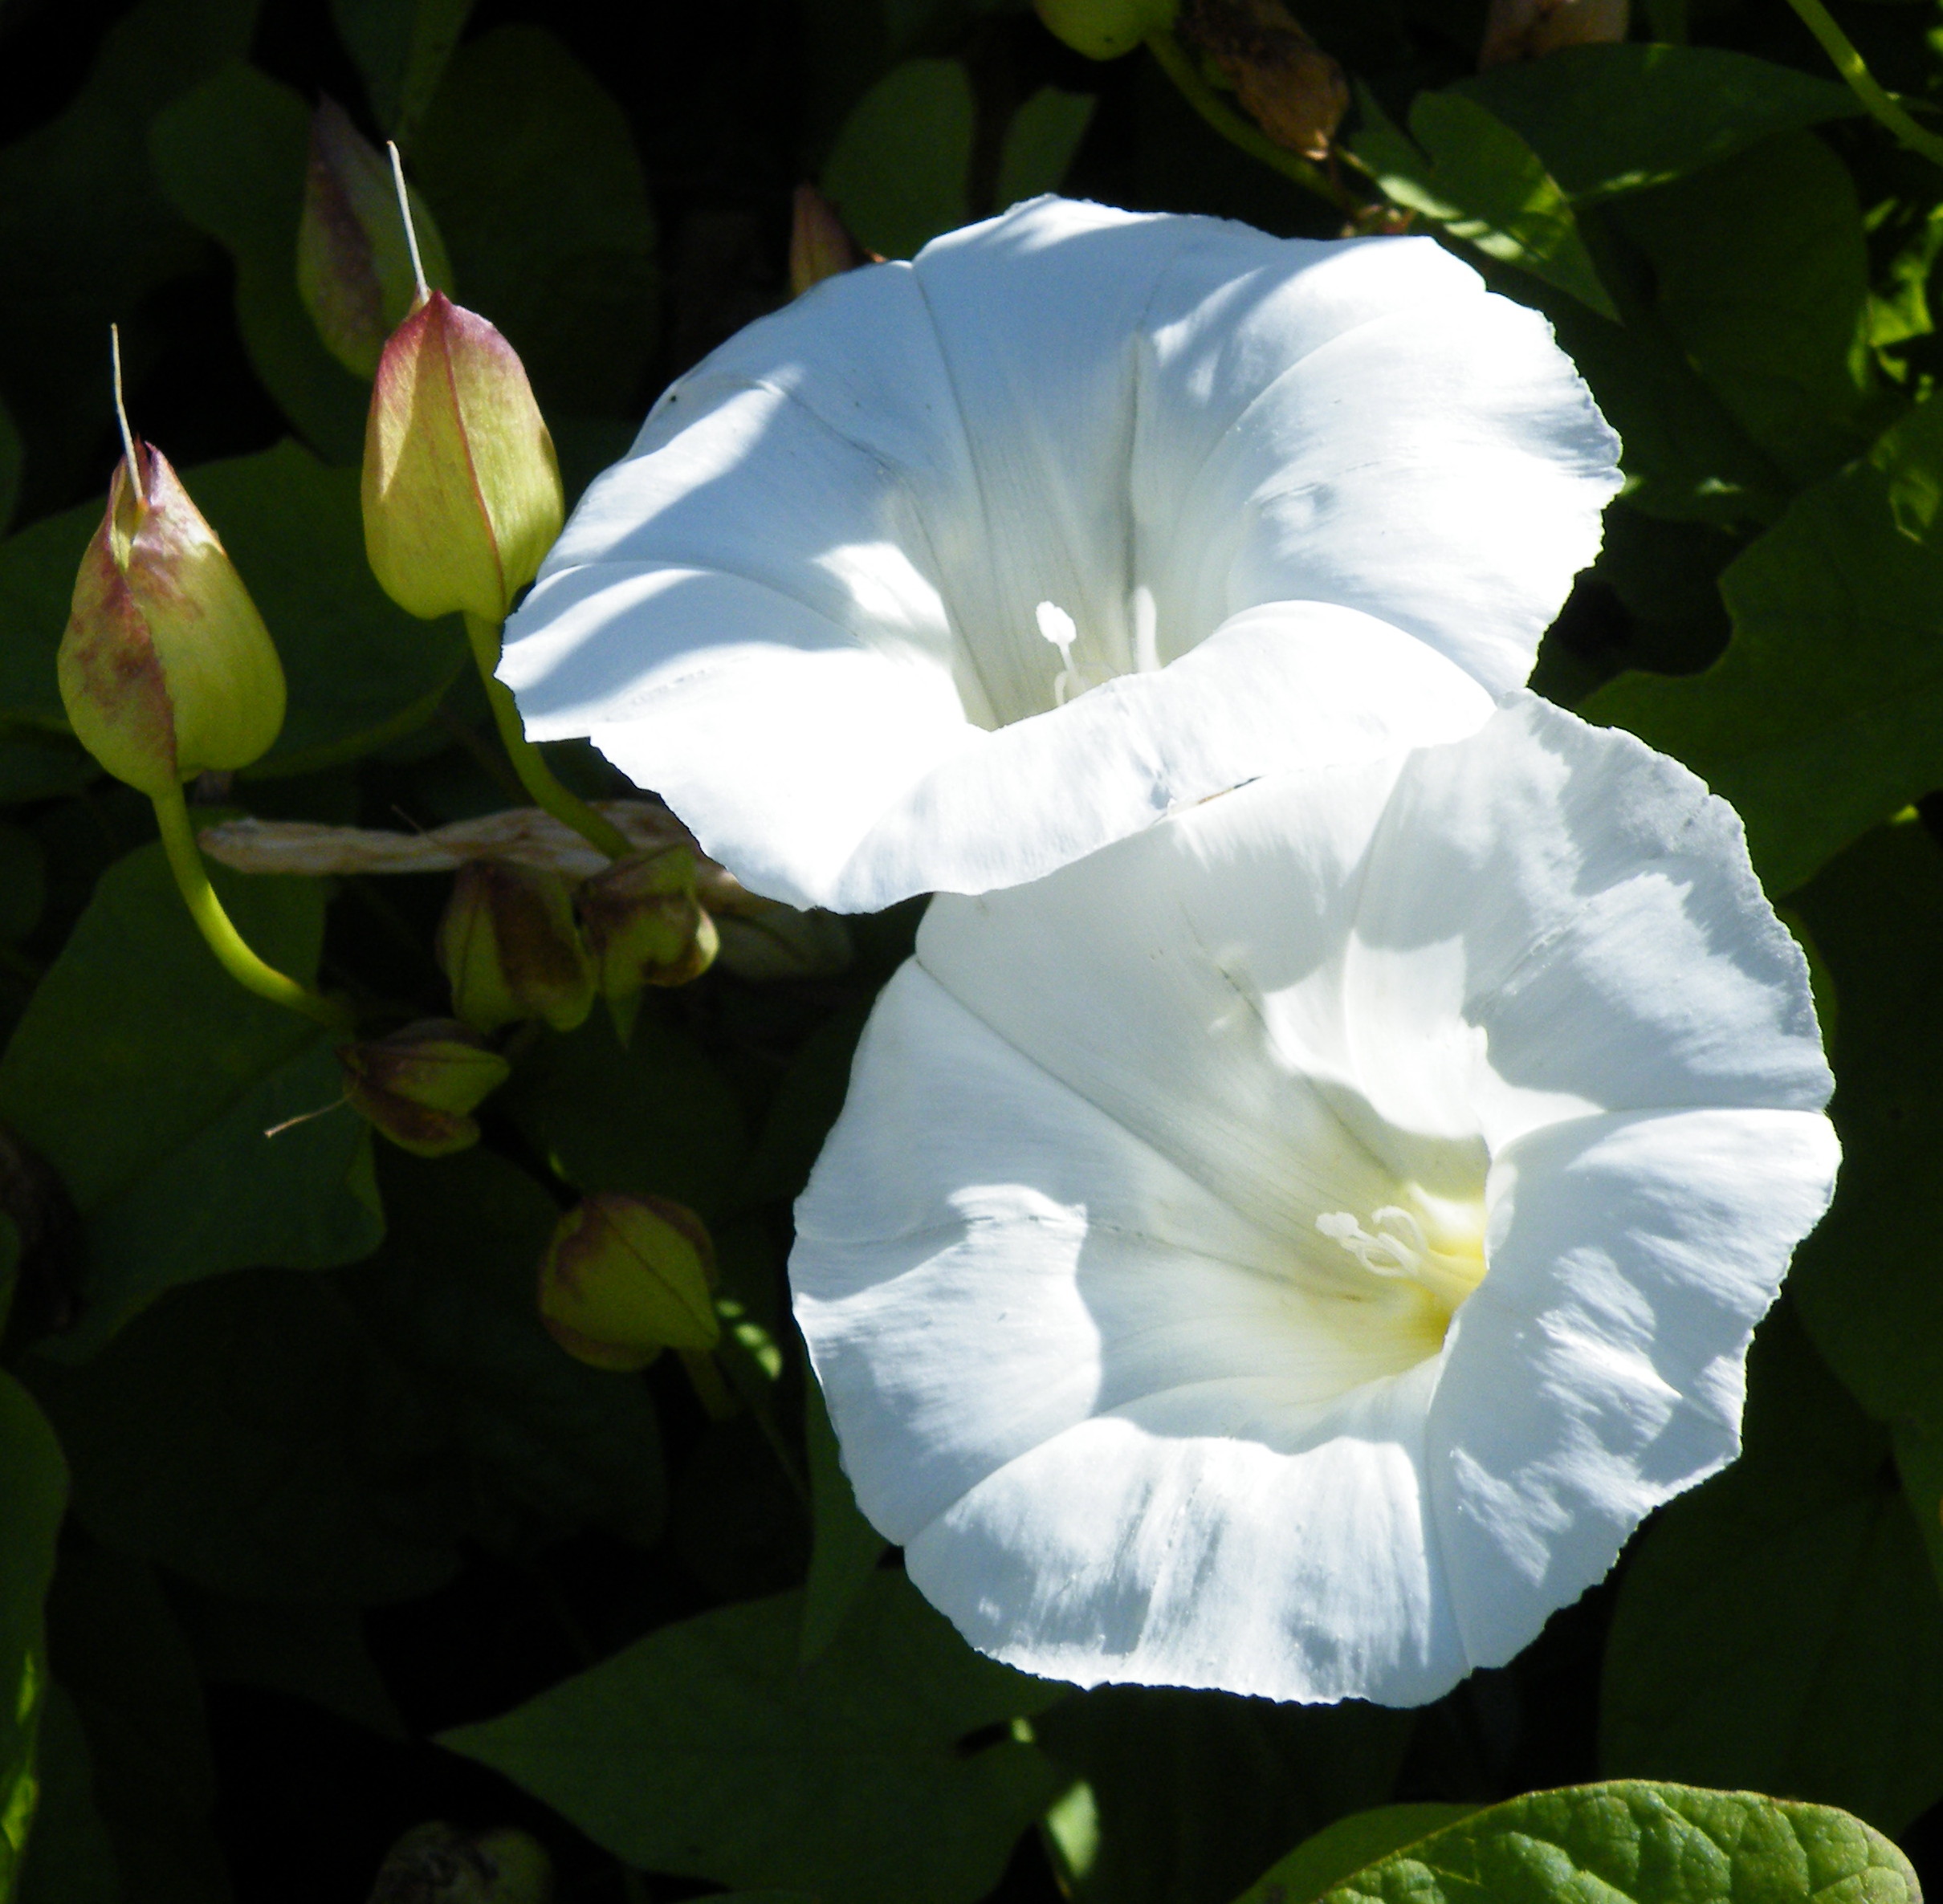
(529, 161)
(1612, 118)
(360, 671)
(231, 156)
(1826, 714)
(247, 1435)
(705, 1750)
(1779, 1629)
(1341, 1849)
(86, 235)
(1483, 183)
(1629, 1842)
(402, 52)
(846, 1548)
(655, 1119)
(1040, 143)
(148, 1079)
(115, 1647)
(899, 173)
(802, 1109)
(40, 766)
(313, 1653)
(1189, 1795)
(11, 449)
(33, 1497)
(23, 881)
(1865, 1281)
(1772, 310)
(69, 1858)
(551, 1445)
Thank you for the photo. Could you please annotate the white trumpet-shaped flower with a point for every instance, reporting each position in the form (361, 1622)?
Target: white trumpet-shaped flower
(1290, 1250)
(954, 571)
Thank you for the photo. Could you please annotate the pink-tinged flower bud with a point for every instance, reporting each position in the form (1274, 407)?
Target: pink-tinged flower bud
(645, 926)
(461, 486)
(421, 1085)
(820, 245)
(439, 1864)
(1528, 29)
(1104, 29)
(511, 950)
(166, 669)
(625, 1278)
(354, 266)
(1282, 80)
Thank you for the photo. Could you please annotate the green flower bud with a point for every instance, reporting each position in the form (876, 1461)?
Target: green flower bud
(511, 950)
(1105, 28)
(438, 1864)
(166, 669)
(354, 266)
(645, 925)
(625, 1278)
(461, 487)
(421, 1085)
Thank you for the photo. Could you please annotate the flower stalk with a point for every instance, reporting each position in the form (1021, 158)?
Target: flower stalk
(233, 952)
(541, 785)
(1881, 105)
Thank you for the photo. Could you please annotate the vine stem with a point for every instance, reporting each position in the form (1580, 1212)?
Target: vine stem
(535, 775)
(1244, 134)
(232, 951)
(1863, 84)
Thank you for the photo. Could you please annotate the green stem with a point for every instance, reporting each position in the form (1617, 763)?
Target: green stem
(1175, 62)
(233, 953)
(535, 775)
(1862, 83)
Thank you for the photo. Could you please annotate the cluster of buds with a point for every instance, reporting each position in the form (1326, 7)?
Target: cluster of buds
(518, 943)
(624, 1278)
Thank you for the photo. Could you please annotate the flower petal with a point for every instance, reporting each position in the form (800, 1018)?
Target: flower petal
(1153, 423)
(1599, 1369)
(1586, 909)
(740, 742)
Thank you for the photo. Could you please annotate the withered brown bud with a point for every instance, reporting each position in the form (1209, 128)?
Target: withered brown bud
(1284, 81)
(820, 244)
(421, 1085)
(509, 947)
(1530, 29)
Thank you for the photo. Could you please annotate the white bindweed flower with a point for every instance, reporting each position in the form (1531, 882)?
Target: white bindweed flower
(952, 571)
(1290, 1250)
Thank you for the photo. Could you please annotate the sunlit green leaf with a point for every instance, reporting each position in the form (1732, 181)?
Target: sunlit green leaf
(231, 156)
(1630, 1842)
(705, 1750)
(148, 1079)
(1341, 1849)
(1825, 715)
(1612, 118)
(1483, 183)
(69, 1858)
(1779, 1629)
(899, 173)
(529, 161)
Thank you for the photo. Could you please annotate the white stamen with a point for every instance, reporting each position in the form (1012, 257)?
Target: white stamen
(1060, 629)
(1386, 1253)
